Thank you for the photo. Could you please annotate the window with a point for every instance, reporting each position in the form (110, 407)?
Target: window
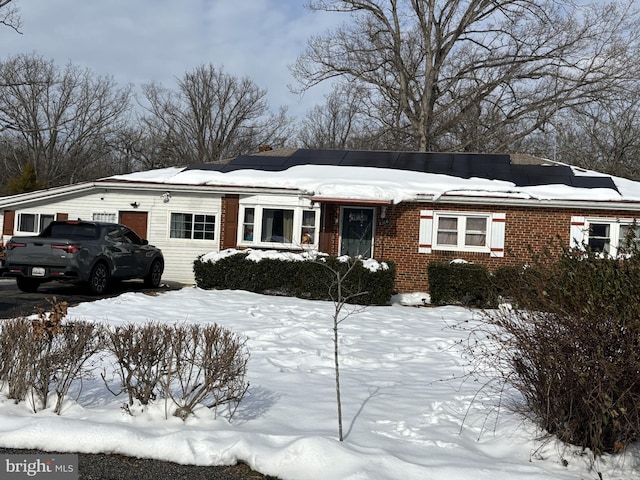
(104, 217)
(462, 231)
(247, 224)
(33, 222)
(291, 227)
(277, 225)
(120, 234)
(194, 226)
(603, 235)
(630, 235)
(599, 238)
(308, 227)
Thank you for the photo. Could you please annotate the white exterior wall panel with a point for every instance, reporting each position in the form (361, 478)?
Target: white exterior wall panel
(179, 253)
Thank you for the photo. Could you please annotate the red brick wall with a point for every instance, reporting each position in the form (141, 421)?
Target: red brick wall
(527, 230)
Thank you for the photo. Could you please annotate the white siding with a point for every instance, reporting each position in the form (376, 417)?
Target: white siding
(179, 253)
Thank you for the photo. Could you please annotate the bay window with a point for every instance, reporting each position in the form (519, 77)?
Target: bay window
(278, 227)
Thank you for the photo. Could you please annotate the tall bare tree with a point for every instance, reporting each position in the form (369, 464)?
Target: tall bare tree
(603, 136)
(213, 115)
(60, 121)
(337, 123)
(474, 74)
(10, 15)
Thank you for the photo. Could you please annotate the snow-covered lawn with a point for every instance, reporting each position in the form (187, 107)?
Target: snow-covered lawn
(408, 414)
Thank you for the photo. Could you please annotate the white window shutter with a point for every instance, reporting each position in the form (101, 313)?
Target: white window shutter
(426, 231)
(498, 223)
(578, 228)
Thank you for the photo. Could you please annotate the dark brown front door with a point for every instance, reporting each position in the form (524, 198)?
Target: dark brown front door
(136, 221)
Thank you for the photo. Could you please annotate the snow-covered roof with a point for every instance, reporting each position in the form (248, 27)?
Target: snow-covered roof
(383, 177)
(335, 178)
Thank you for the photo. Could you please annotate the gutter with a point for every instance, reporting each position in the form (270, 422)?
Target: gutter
(532, 202)
(55, 192)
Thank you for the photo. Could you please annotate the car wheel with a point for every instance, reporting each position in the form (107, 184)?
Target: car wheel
(99, 279)
(28, 285)
(152, 280)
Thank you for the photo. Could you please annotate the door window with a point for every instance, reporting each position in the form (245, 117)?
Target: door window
(357, 232)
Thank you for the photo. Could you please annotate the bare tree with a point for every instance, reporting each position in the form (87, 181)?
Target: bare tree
(335, 123)
(604, 136)
(10, 15)
(212, 116)
(473, 74)
(61, 121)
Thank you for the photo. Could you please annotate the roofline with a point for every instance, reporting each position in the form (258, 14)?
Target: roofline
(534, 202)
(180, 187)
(351, 201)
(54, 192)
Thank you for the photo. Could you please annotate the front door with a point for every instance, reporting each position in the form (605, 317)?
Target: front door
(356, 233)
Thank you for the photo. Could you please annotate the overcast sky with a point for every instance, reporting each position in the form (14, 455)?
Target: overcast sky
(139, 41)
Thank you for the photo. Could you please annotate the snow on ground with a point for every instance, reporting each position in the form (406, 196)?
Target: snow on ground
(408, 414)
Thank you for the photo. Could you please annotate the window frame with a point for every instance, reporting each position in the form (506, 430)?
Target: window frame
(193, 223)
(37, 222)
(462, 231)
(109, 217)
(298, 240)
(615, 237)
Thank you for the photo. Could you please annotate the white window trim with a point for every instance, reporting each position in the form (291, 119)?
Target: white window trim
(216, 228)
(296, 243)
(494, 246)
(101, 216)
(580, 231)
(38, 219)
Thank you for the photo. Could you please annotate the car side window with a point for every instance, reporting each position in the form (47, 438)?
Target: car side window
(113, 235)
(130, 236)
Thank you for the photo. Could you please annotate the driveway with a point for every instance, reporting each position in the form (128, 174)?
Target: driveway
(14, 303)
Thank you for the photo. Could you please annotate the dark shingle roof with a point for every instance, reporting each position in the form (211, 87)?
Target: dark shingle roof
(461, 165)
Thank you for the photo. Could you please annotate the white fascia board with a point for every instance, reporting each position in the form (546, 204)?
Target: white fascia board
(38, 195)
(179, 187)
(13, 201)
(533, 202)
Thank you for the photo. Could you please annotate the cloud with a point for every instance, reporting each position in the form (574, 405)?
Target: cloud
(159, 40)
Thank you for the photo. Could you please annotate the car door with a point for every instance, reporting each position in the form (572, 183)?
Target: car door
(138, 251)
(120, 251)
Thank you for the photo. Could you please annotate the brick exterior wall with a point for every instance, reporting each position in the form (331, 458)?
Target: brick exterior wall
(528, 230)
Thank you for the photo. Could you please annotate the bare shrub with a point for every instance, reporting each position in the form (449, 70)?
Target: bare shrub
(140, 353)
(46, 353)
(207, 365)
(72, 351)
(18, 353)
(571, 347)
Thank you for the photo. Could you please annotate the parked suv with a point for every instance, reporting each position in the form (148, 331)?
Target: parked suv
(94, 253)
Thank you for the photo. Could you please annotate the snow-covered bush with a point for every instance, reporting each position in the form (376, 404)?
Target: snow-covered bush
(302, 275)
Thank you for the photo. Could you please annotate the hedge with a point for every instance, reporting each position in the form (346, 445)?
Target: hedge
(310, 279)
